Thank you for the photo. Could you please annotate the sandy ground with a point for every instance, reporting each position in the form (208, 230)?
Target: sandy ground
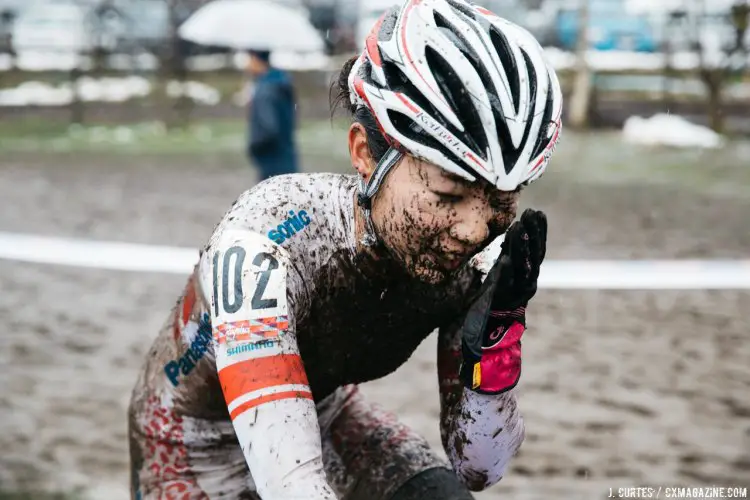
(620, 389)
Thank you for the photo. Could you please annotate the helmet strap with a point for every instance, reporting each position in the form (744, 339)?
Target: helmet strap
(368, 189)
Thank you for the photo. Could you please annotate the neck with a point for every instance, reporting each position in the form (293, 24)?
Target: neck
(359, 233)
(375, 262)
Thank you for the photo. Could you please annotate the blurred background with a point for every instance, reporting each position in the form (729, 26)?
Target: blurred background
(115, 127)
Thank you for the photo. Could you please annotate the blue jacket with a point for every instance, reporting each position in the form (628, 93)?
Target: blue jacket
(272, 123)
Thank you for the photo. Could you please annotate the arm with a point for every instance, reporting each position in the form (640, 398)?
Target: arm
(259, 365)
(479, 357)
(480, 433)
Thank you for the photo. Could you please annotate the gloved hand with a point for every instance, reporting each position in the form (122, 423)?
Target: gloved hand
(494, 325)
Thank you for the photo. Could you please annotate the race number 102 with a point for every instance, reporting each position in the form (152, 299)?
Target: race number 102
(229, 285)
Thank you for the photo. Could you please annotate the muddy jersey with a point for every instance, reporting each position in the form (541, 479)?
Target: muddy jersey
(278, 314)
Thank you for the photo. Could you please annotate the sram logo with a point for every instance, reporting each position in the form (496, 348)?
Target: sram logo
(291, 226)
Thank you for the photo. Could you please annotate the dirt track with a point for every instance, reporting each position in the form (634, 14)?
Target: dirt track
(619, 389)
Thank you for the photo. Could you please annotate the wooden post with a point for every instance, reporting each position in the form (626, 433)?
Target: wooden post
(713, 77)
(667, 50)
(580, 100)
(183, 106)
(76, 105)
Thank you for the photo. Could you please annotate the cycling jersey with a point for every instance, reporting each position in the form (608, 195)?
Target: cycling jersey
(249, 390)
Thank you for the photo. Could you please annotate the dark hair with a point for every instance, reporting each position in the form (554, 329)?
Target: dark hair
(338, 97)
(263, 55)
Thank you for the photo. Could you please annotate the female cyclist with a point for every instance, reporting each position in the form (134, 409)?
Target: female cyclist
(314, 283)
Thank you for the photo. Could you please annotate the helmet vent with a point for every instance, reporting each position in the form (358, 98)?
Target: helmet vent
(460, 101)
(509, 64)
(398, 82)
(543, 140)
(510, 153)
(409, 129)
(462, 9)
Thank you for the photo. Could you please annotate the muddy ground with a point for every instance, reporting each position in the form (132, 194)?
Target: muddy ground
(620, 389)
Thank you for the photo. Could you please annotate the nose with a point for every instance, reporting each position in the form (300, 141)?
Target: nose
(472, 227)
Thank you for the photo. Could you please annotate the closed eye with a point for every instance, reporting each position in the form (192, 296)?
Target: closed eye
(449, 197)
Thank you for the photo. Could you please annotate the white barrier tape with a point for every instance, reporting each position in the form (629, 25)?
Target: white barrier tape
(646, 275)
(573, 275)
(97, 254)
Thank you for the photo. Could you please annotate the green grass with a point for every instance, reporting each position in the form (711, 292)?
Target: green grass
(39, 136)
(152, 137)
(594, 157)
(603, 157)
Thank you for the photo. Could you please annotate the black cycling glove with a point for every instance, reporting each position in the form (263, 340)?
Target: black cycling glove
(494, 325)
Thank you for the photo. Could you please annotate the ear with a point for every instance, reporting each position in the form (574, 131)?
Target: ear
(359, 151)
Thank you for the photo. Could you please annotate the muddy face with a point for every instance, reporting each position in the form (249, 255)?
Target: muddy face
(433, 221)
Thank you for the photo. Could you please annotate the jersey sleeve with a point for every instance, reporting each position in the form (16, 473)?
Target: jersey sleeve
(245, 277)
(480, 433)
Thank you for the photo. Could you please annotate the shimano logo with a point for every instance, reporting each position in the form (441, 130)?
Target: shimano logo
(291, 226)
(263, 344)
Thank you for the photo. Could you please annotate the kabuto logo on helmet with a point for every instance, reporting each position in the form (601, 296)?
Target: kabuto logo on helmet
(449, 139)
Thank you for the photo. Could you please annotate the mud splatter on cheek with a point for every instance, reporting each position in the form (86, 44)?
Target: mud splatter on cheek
(420, 228)
(412, 220)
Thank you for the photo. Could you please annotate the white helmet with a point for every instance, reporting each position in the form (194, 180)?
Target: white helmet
(460, 87)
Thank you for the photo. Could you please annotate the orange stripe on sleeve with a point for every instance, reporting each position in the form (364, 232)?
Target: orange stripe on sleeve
(254, 374)
(267, 399)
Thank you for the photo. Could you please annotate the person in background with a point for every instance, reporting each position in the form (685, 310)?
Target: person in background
(271, 119)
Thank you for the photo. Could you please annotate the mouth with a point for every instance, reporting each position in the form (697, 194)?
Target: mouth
(451, 262)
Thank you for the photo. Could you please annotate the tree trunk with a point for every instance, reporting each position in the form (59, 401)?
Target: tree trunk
(668, 50)
(177, 111)
(580, 100)
(76, 104)
(713, 77)
(714, 81)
